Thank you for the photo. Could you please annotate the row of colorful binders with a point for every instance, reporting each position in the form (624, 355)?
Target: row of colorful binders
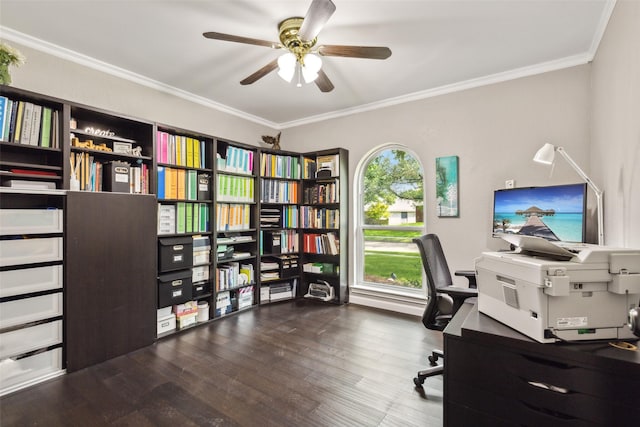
(182, 184)
(279, 166)
(26, 123)
(183, 217)
(180, 150)
(236, 160)
(277, 191)
(232, 188)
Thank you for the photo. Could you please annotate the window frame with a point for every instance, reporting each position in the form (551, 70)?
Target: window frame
(359, 242)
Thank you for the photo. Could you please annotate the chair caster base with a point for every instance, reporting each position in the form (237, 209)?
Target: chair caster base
(418, 382)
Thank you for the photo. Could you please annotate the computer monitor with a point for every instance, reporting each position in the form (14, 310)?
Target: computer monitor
(556, 213)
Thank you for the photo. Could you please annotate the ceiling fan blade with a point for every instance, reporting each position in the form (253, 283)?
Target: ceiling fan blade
(323, 82)
(369, 52)
(238, 39)
(260, 73)
(318, 14)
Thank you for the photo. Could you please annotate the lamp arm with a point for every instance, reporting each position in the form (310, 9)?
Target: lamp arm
(595, 189)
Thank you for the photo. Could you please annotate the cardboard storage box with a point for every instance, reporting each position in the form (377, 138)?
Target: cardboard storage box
(175, 253)
(174, 288)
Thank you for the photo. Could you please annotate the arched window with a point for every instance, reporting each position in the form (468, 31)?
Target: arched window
(390, 210)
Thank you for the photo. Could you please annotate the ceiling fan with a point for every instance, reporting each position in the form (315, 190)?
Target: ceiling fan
(299, 36)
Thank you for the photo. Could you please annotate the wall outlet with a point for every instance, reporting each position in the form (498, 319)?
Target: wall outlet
(510, 183)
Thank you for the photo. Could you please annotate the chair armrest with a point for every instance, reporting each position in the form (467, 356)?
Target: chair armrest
(459, 295)
(470, 275)
(456, 292)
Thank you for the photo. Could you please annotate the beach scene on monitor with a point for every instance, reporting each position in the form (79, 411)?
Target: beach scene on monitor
(556, 213)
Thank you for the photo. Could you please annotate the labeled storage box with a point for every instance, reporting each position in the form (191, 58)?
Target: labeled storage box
(174, 288)
(175, 253)
(186, 320)
(116, 177)
(204, 187)
(200, 274)
(200, 289)
(223, 303)
(245, 297)
(265, 294)
(166, 324)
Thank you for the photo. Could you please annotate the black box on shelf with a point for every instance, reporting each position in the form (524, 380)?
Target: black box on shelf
(175, 253)
(271, 243)
(204, 186)
(200, 289)
(174, 288)
(116, 177)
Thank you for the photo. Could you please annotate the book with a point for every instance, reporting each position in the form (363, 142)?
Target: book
(18, 121)
(36, 118)
(27, 121)
(5, 110)
(45, 129)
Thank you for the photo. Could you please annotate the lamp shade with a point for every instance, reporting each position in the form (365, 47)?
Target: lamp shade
(312, 64)
(545, 155)
(287, 66)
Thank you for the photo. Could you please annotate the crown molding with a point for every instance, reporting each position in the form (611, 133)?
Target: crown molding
(87, 61)
(602, 26)
(517, 73)
(540, 68)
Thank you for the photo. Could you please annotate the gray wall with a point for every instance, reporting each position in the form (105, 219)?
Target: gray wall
(47, 74)
(495, 130)
(615, 128)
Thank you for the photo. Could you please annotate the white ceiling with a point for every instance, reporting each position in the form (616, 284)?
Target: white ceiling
(438, 46)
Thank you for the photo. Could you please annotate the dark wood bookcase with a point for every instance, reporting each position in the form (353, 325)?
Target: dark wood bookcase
(324, 224)
(211, 222)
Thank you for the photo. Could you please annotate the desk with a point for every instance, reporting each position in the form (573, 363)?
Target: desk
(495, 376)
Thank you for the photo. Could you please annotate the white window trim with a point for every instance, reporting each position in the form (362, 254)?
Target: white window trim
(406, 300)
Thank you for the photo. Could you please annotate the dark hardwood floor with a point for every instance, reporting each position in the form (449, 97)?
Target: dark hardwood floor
(287, 364)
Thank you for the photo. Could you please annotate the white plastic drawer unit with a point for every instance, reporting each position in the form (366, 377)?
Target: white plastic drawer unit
(30, 251)
(30, 221)
(29, 370)
(24, 340)
(24, 281)
(18, 312)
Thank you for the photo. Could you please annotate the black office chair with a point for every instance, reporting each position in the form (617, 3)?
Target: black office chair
(443, 300)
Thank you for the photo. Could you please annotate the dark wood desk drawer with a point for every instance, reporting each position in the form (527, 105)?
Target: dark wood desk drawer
(540, 385)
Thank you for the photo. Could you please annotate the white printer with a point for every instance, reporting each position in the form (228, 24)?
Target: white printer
(560, 291)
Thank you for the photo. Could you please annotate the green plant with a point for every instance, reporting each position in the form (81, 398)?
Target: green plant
(8, 56)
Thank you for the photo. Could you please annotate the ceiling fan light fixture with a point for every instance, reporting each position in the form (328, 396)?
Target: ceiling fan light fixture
(287, 66)
(312, 65)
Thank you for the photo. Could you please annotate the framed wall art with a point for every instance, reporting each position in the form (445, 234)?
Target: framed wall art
(447, 186)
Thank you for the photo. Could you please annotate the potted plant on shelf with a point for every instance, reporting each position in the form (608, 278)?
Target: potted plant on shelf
(8, 56)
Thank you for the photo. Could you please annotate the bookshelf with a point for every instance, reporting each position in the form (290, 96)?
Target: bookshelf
(324, 224)
(109, 152)
(280, 174)
(236, 228)
(34, 159)
(184, 173)
(222, 211)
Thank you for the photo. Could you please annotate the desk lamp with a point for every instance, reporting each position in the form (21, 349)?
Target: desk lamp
(546, 155)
